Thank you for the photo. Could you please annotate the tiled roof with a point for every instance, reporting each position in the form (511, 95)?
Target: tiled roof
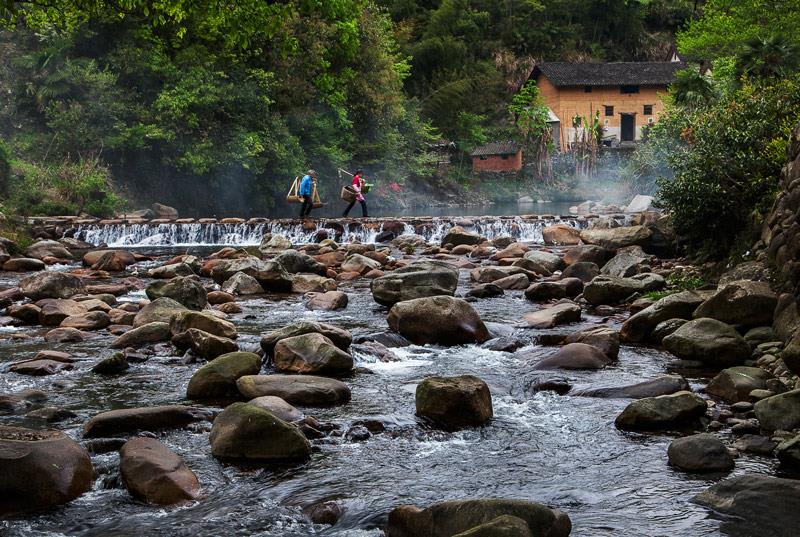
(608, 74)
(497, 148)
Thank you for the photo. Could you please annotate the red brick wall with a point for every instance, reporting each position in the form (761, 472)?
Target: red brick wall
(496, 163)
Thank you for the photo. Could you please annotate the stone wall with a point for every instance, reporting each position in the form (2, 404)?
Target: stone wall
(780, 242)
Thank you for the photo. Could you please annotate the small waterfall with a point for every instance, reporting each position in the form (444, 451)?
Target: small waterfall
(251, 233)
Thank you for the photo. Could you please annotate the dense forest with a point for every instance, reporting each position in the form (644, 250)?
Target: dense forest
(214, 109)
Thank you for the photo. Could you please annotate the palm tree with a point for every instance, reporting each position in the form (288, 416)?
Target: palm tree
(691, 89)
(772, 57)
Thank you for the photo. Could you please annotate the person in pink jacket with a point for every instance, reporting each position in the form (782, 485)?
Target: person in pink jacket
(358, 186)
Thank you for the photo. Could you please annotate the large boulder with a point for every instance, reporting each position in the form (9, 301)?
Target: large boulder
(279, 407)
(299, 262)
(563, 312)
(755, 505)
(164, 211)
(247, 432)
(269, 274)
(312, 283)
(617, 238)
(708, 341)
(118, 258)
(742, 302)
(664, 411)
(585, 271)
(24, 264)
(603, 337)
(735, 383)
(52, 311)
(40, 469)
(51, 284)
(612, 290)
(92, 320)
(587, 253)
(458, 235)
(702, 452)
(678, 306)
(328, 301)
(242, 284)
(454, 402)
(338, 336)
(203, 344)
(448, 519)
(142, 335)
(43, 249)
(161, 310)
(441, 320)
(417, 280)
(628, 262)
(206, 322)
(184, 290)
(311, 353)
(303, 390)
(550, 261)
(155, 474)
(153, 418)
(780, 411)
(360, 264)
(217, 379)
(171, 270)
(575, 356)
(663, 385)
(561, 235)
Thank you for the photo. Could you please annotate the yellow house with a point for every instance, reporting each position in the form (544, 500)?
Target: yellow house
(626, 94)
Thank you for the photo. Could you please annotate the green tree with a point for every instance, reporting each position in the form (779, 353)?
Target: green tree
(531, 116)
(769, 57)
(691, 89)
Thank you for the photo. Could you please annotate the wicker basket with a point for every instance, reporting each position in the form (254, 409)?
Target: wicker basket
(348, 194)
(293, 195)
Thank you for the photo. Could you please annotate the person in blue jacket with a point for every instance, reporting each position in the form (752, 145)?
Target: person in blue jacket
(306, 192)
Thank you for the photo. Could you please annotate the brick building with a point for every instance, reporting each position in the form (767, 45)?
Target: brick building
(627, 95)
(497, 157)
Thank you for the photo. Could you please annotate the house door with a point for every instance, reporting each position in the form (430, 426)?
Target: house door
(627, 127)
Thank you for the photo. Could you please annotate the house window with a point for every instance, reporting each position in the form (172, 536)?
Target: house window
(609, 110)
(648, 109)
(482, 157)
(629, 89)
(504, 157)
(587, 89)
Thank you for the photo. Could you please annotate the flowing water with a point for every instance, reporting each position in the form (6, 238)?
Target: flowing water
(563, 451)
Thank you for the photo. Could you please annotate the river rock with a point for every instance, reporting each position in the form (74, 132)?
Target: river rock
(39, 368)
(561, 235)
(514, 282)
(788, 453)
(109, 260)
(116, 364)
(575, 356)
(340, 337)
(42, 249)
(602, 337)
(780, 411)
(587, 253)
(184, 290)
(543, 291)
(605, 290)
(359, 264)
(51, 284)
(330, 301)
(303, 390)
(40, 469)
(65, 335)
(585, 271)
(245, 431)
(448, 519)
(665, 328)
(206, 322)
(563, 312)
(312, 283)
(217, 379)
(161, 310)
(93, 320)
(203, 344)
(311, 353)
(677, 306)
(417, 280)
(142, 335)
(664, 385)
(155, 474)
(164, 211)
(24, 264)
(154, 418)
(242, 284)
(170, 271)
(702, 452)
(298, 262)
(441, 320)
(220, 297)
(735, 383)
(269, 274)
(458, 235)
(502, 526)
(279, 407)
(742, 302)
(550, 261)
(664, 411)
(708, 341)
(20, 402)
(454, 402)
(755, 505)
(52, 311)
(485, 290)
(617, 238)
(628, 262)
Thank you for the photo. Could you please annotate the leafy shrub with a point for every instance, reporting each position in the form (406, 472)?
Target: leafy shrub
(5, 168)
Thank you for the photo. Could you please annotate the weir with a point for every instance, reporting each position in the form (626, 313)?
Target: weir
(241, 232)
